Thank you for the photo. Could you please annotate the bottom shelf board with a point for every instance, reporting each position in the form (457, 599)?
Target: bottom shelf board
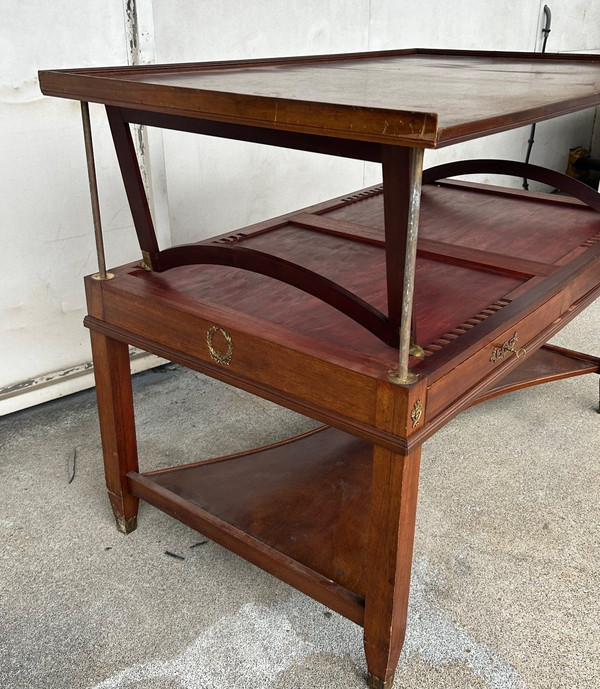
(300, 508)
(307, 498)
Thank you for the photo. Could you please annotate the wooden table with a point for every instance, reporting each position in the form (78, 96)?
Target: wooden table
(383, 313)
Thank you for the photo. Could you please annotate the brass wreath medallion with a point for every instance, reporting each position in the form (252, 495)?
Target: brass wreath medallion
(220, 357)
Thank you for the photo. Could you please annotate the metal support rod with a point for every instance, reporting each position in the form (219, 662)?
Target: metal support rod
(402, 375)
(91, 168)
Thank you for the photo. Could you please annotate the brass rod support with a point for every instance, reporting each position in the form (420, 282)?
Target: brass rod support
(402, 375)
(91, 168)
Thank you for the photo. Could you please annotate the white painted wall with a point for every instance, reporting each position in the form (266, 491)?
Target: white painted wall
(498, 25)
(46, 231)
(263, 181)
(45, 223)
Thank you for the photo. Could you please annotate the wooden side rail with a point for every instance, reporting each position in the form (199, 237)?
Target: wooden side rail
(363, 313)
(514, 168)
(285, 271)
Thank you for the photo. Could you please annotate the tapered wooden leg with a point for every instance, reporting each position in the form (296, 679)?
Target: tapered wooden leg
(393, 509)
(117, 425)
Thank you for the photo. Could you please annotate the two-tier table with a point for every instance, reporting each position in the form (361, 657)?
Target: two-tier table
(383, 313)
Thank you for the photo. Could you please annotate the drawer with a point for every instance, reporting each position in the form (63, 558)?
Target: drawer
(497, 354)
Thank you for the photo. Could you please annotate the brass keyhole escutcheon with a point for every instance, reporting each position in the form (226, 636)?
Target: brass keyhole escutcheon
(417, 413)
(220, 345)
(508, 347)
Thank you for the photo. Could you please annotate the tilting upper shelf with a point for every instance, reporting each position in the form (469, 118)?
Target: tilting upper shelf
(424, 98)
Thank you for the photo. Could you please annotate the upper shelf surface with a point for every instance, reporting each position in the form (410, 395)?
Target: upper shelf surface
(426, 98)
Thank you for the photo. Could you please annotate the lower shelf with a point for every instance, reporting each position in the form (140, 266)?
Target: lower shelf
(299, 509)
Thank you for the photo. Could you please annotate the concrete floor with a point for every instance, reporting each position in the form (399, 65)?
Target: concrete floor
(506, 576)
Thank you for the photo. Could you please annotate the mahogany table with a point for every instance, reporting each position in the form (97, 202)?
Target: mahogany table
(383, 313)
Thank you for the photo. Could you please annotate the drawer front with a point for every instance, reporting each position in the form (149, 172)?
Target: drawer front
(506, 346)
(263, 367)
(496, 356)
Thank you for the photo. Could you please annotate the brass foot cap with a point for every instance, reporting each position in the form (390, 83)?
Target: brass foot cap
(126, 525)
(376, 683)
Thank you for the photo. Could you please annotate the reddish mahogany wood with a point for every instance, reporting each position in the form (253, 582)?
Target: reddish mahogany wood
(469, 256)
(117, 425)
(495, 268)
(396, 166)
(311, 489)
(459, 309)
(361, 150)
(397, 184)
(483, 260)
(346, 412)
(393, 511)
(547, 299)
(287, 569)
(340, 228)
(134, 185)
(391, 533)
(353, 305)
(514, 168)
(479, 389)
(549, 363)
(420, 98)
(516, 224)
(310, 357)
(287, 272)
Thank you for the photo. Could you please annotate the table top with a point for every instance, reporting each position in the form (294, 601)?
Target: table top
(425, 98)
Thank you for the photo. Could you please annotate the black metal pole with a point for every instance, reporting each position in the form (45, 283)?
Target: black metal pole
(545, 32)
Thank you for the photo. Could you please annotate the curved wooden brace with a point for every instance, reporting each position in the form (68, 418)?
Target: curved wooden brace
(516, 169)
(285, 271)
